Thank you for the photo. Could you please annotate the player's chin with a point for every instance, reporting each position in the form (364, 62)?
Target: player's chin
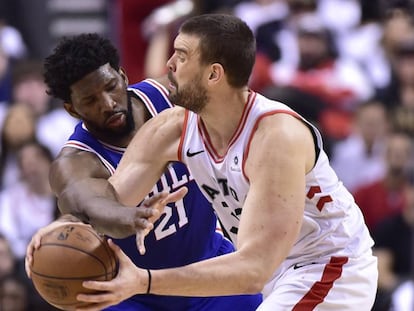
(173, 97)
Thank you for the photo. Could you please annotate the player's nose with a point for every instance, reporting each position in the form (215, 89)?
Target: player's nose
(108, 102)
(171, 63)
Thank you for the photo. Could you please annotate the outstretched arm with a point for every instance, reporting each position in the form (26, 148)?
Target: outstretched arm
(79, 181)
(270, 224)
(157, 202)
(154, 146)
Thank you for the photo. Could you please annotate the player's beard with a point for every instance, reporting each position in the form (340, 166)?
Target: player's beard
(116, 134)
(192, 96)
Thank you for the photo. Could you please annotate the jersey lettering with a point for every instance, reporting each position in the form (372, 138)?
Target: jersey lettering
(176, 181)
(211, 192)
(166, 226)
(226, 189)
(162, 229)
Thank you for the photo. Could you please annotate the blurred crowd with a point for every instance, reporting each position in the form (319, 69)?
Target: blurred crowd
(345, 65)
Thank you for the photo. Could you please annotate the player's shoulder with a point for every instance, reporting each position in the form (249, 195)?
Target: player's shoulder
(70, 159)
(284, 124)
(171, 117)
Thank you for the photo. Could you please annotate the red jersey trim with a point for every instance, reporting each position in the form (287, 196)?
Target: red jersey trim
(160, 87)
(319, 290)
(81, 146)
(183, 135)
(206, 138)
(254, 129)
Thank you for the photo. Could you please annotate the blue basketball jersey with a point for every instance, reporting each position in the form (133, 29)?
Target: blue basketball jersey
(185, 233)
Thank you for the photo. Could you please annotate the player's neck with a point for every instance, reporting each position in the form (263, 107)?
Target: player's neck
(221, 117)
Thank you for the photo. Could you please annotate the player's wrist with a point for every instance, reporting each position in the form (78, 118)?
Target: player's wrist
(149, 281)
(145, 281)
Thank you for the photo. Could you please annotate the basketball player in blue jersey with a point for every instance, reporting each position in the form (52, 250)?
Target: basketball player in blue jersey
(84, 72)
(300, 237)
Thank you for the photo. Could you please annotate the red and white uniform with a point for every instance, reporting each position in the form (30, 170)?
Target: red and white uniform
(334, 245)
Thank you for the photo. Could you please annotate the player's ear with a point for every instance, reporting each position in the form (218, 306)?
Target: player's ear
(123, 75)
(69, 108)
(216, 72)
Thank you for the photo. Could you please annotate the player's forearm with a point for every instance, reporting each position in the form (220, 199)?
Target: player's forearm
(223, 275)
(94, 201)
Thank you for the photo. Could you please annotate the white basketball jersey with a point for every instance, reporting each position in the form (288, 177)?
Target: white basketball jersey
(333, 224)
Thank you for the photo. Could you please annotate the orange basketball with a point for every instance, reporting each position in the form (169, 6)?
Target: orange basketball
(69, 255)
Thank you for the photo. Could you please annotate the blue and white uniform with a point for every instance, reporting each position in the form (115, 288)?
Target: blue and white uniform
(184, 234)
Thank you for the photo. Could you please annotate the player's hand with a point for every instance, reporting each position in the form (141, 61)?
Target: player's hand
(129, 281)
(158, 203)
(36, 240)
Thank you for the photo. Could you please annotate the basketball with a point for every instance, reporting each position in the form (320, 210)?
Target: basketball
(69, 255)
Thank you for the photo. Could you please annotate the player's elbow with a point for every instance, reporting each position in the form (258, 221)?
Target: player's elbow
(257, 269)
(255, 275)
(255, 282)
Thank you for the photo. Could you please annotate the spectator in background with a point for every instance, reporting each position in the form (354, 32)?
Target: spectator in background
(276, 38)
(385, 197)
(397, 25)
(347, 14)
(394, 248)
(11, 41)
(398, 42)
(339, 85)
(359, 159)
(25, 206)
(53, 124)
(400, 93)
(28, 204)
(402, 298)
(159, 28)
(32, 20)
(132, 40)
(266, 18)
(5, 76)
(14, 294)
(363, 42)
(7, 259)
(12, 48)
(19, 127)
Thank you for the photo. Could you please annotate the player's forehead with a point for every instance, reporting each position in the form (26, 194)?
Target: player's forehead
(93, 81)
(186, 44)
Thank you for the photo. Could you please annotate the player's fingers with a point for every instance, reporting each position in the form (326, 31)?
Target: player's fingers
(141, 223)
(155, 198)
(140, 240)
(95, 307)
(103, 288)
(175, 196)
(159, 201)
(98, 302)
(35, 241)
(146, 211)
(27, 265)
(28, 261)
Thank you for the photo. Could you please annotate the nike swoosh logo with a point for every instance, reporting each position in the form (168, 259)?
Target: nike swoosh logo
(192, 154)
(297, 266)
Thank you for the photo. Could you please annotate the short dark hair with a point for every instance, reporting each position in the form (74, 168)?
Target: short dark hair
(224, 39)
(75, 57)
(44, 150)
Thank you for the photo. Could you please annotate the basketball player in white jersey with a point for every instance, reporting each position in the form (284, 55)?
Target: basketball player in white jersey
(300, 237)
